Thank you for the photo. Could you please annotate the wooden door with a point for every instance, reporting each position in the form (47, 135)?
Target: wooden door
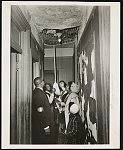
(13, 98)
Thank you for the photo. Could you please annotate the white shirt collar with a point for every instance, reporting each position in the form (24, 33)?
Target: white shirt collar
(48, 92)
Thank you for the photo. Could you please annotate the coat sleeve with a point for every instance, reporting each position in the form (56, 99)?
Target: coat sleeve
(47, 111)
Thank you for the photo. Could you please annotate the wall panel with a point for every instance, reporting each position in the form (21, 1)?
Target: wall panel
(13, 99)
(94, 71)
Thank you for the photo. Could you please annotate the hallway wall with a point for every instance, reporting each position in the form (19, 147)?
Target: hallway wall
(32, 25)
(103, 74)
(82, 27)
(93, 73)
(21, 89)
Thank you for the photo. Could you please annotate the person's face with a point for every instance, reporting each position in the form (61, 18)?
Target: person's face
(53, 90)
(42, 83)
(48, 87)
(74, 88)
(67, 88)
(61, 84)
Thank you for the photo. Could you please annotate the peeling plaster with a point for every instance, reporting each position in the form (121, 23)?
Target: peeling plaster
(58, 17)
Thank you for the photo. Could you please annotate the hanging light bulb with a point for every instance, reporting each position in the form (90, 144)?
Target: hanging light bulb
(59, 40)
(59, 37)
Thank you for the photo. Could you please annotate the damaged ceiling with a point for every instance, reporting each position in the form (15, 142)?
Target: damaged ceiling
(57, 17)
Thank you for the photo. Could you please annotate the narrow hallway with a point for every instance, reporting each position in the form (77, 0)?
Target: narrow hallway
(60, 88)
(63, 49)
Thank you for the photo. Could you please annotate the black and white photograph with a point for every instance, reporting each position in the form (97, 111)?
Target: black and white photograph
(60, 75)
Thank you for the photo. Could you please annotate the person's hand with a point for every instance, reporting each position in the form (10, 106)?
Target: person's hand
(47, 131)
(53, 90)
(62, 104)
(40, 109)
(63, 108)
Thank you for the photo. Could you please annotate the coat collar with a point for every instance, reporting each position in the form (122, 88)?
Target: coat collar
(39, 88)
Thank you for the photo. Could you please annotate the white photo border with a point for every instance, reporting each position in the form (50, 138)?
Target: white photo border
(114, 75)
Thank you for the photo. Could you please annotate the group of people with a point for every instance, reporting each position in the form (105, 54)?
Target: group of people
(55, 111)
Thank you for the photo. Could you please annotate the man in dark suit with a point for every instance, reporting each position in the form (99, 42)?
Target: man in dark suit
(41, 115)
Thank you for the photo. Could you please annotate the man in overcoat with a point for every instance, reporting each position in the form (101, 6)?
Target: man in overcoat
(42, 120)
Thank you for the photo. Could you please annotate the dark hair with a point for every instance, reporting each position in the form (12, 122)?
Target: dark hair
(37, 80)
(44, 88)
(65, 84)
(70, 83)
